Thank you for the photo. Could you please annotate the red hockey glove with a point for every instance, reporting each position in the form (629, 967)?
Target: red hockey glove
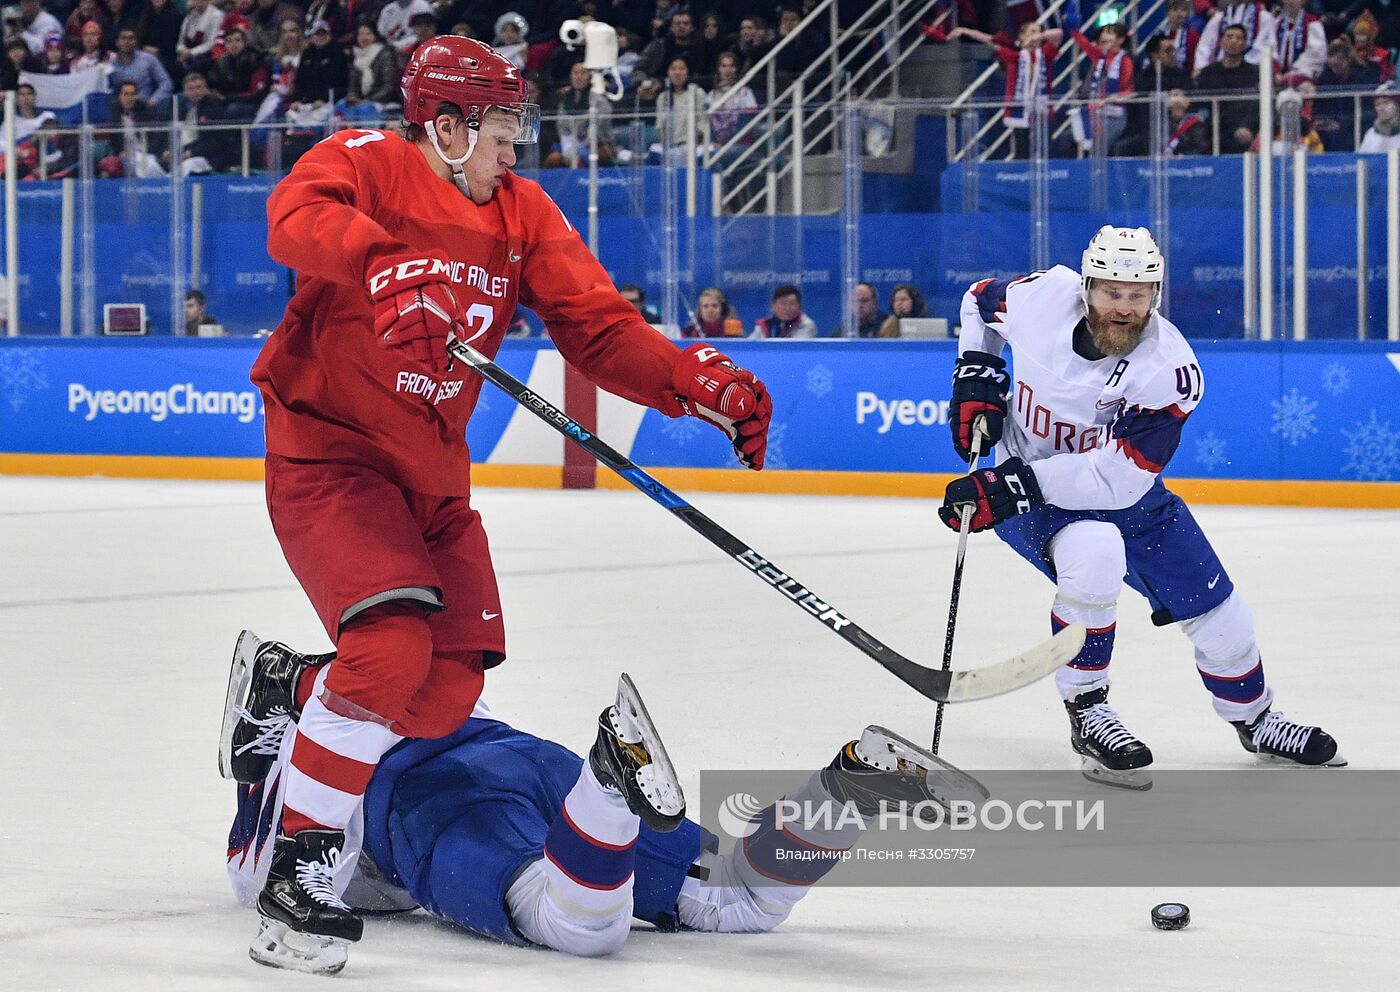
(996, 494)
(980, 383)
(414, 309)
(714, 389)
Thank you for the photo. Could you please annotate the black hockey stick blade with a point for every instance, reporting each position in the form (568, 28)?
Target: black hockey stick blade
(950, 687)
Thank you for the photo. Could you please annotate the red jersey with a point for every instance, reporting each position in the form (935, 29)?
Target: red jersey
(334, 394)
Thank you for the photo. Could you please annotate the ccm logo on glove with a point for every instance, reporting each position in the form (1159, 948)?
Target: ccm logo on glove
(417, 268)
(712, 388)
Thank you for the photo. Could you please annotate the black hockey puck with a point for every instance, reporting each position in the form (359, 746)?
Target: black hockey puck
(1171, 916)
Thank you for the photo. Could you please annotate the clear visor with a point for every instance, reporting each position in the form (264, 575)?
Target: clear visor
(518, 123)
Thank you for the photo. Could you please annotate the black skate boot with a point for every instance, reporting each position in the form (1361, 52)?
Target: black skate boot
(305, 926)
(884, 768)
(259, 705)
(628, 756)
(1271, 735)
(1110, 754)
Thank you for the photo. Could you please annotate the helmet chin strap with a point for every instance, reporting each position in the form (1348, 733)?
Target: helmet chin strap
(455, 164)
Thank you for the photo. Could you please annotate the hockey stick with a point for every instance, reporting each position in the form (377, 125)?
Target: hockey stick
(952, 687)
(964, 519)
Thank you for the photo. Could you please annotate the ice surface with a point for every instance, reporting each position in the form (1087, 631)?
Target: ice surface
(120, 601)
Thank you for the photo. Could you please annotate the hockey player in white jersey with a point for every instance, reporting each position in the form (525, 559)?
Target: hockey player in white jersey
(1103, 385)
(515, 837)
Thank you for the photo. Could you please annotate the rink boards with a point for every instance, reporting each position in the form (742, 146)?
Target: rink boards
(1310, 423)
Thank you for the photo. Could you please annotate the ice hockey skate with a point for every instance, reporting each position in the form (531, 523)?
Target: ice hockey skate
(629, 756)
(260, 705)
(1109, 753)
(304, 924)
(1275, 738)
(884, 768)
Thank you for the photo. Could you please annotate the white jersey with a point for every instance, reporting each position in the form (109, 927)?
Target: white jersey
(1098, 432)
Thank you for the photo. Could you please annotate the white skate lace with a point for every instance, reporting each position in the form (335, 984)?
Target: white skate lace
(317, 878)
(1101, 722)
(1281, 735)
(273, 728)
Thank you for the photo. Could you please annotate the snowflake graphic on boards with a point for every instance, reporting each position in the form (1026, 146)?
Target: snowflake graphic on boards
(1372, 450)
(21, 373)
(1210, 451)
(819, 381)
(1294, 417)
(1336, 379)
(775, 457)
(681, 430)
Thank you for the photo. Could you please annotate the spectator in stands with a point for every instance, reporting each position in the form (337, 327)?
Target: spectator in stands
(374, 76)
(1109, 85)
(1162, 75)
(1029, 66)
(905, 301)
(130, 65)
(680, 113)
(1233, 76)
(29, 143)
(793, 60)
(1384, 134)
(160, 30)
(197, 312)
(787, 319)
(83, 12)
(1363, 40)
(198, 32)
(236, 14)
(739, 106)
(571, 149)
(1188, 132)
(865, 307)
(282, 71)
(1176, 30)
(333, 12)
(37, 25)
(634, 295)
(94, 53)
(1335, 119)
(681, 41)
(322, 71)
(55, 57)
(755, 41)
(713, 317)
(123, 14)
(202, 149)
(266, 17)
(240, 76)
(716, 36)
(394, 22)
(1300, 45)
(511, 31)
(18, 58)
(135, 145)
(1250, 16)
(423, 26)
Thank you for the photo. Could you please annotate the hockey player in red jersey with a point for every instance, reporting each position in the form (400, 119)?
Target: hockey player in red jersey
(398, 246)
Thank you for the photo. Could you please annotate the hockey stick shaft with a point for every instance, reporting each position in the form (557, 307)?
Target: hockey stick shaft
(962, 686)
(965, 520)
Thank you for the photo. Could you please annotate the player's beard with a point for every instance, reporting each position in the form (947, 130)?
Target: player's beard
(1113, 338)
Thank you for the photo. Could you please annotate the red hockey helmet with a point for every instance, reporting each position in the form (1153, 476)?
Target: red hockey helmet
(471, 75)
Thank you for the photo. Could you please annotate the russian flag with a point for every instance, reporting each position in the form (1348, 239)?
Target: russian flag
(64, 95)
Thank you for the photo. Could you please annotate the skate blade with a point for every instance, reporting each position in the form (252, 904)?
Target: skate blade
(1337, 761)
(240, 676)
(1137, 779)
(278, 946)
(657, 779)
(947, 781)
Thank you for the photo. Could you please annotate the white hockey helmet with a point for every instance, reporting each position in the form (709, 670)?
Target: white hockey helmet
(1122, 254)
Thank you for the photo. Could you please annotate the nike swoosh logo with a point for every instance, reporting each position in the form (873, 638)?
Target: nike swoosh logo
(1212, 582)
(488, 615)
(513, 256)
(1107, 406)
